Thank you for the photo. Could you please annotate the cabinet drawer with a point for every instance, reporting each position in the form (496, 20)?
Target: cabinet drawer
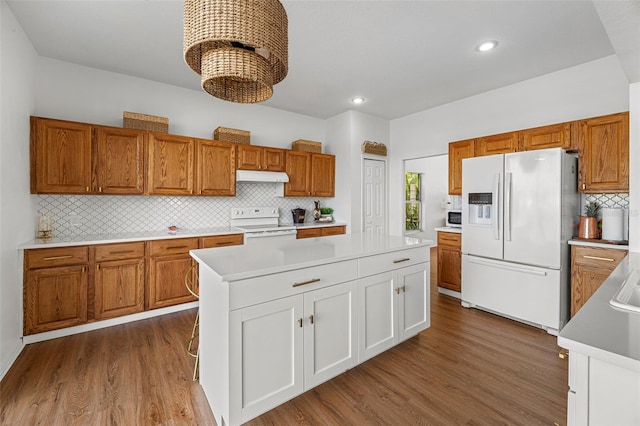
(309, 233)
(597, 257)
(333, 230)
(172, 246)
(60, 256)
(119, 251)
(450, 239)
(261, 289)
(373, 265)
(222, 241)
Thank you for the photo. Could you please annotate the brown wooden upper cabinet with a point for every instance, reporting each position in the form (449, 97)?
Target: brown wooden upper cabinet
(78, 158)
(323, 175)
(119, 160)
(496, 144)
(251, 157)
(553, 136)
(60, 157)
(310, 175)
(604, 154)
(216, 168)
(457, 152)
(171, 159)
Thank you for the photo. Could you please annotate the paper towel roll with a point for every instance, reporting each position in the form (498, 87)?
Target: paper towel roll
(612, 224)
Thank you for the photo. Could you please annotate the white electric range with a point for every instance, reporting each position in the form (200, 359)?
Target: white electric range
(261, 224)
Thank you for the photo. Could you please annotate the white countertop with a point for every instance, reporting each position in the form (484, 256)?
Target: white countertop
(603, 332)
(81, 240)
(591, 243)
(248, 261)
(123, 237)
(317, 224)
(456, 230)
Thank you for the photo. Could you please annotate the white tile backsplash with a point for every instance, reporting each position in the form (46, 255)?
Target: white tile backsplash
(99, 214)
(611, 201)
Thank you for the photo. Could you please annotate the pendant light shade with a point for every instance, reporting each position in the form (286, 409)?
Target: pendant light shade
(239, 47)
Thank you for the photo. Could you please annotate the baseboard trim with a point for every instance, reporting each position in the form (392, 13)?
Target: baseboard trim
(6, 366)
(48, 335)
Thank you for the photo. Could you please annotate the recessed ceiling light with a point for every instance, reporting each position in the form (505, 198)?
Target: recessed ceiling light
(357, 100)
(486, 46)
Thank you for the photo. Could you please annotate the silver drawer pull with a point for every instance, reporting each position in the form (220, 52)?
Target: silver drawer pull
(175, 247)
(314, 280)
(606, 259)
(121, 252)
(68, 256)
(401, 260)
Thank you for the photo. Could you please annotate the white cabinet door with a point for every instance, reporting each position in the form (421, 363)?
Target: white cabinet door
(392, 306)
(413, 300)
(266, 356)
(377, 329)
(330, 332)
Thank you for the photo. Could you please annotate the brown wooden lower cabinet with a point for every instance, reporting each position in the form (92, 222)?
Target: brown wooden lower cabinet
(55, 288)
(119, 279)
(321, 231)
(55, 298)
(450, 260)
(69, 286)
(590, 267)
(169, 261)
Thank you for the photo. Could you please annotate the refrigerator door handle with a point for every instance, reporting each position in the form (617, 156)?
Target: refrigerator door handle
(496, 216)
(507, 206)
(509, 267)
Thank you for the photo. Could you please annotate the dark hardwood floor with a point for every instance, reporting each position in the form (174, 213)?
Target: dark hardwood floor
(469, 367)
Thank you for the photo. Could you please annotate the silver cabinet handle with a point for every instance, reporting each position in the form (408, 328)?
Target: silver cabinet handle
(402, 260)
(314, 280)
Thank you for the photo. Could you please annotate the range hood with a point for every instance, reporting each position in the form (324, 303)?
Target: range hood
(258, 176)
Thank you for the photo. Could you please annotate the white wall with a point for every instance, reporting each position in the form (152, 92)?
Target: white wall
(434, 186)
(364, 128)
(17, 60)
(338, 135)
(595, 88)
(634, 167)
(77, 93)
(347, 132)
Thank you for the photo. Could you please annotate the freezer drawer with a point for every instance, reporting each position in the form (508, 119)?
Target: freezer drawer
(527, 293)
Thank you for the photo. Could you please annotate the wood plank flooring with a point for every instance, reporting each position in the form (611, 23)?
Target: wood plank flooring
(469, 367)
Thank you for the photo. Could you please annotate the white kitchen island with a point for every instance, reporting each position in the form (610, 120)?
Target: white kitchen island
(604, 357)
(278, 319)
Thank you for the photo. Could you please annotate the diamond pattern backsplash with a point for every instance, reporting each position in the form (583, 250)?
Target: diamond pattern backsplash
(610, 201)
(103, 214)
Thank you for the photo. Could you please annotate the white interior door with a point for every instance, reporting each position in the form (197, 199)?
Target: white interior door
(375, 196)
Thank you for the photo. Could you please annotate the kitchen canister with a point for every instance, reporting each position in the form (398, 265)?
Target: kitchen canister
(612, 224)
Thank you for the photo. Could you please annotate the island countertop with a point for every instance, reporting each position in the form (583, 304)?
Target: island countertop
(248, 261)
(602, 331)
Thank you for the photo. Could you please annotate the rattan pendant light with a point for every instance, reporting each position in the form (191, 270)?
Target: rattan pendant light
(239, 47)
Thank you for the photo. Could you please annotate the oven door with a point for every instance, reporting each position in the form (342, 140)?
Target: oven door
(269, 236)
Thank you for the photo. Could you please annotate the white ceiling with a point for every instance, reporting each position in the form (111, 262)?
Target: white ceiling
(402, 56)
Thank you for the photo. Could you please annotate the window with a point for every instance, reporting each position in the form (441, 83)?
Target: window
(412, 202)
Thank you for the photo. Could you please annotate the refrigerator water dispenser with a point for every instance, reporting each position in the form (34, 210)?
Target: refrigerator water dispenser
(480, 204)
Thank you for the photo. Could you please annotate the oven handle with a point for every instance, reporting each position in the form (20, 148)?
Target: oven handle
(270, 234)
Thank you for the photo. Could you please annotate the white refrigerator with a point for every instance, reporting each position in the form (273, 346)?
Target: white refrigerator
(519, 211)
